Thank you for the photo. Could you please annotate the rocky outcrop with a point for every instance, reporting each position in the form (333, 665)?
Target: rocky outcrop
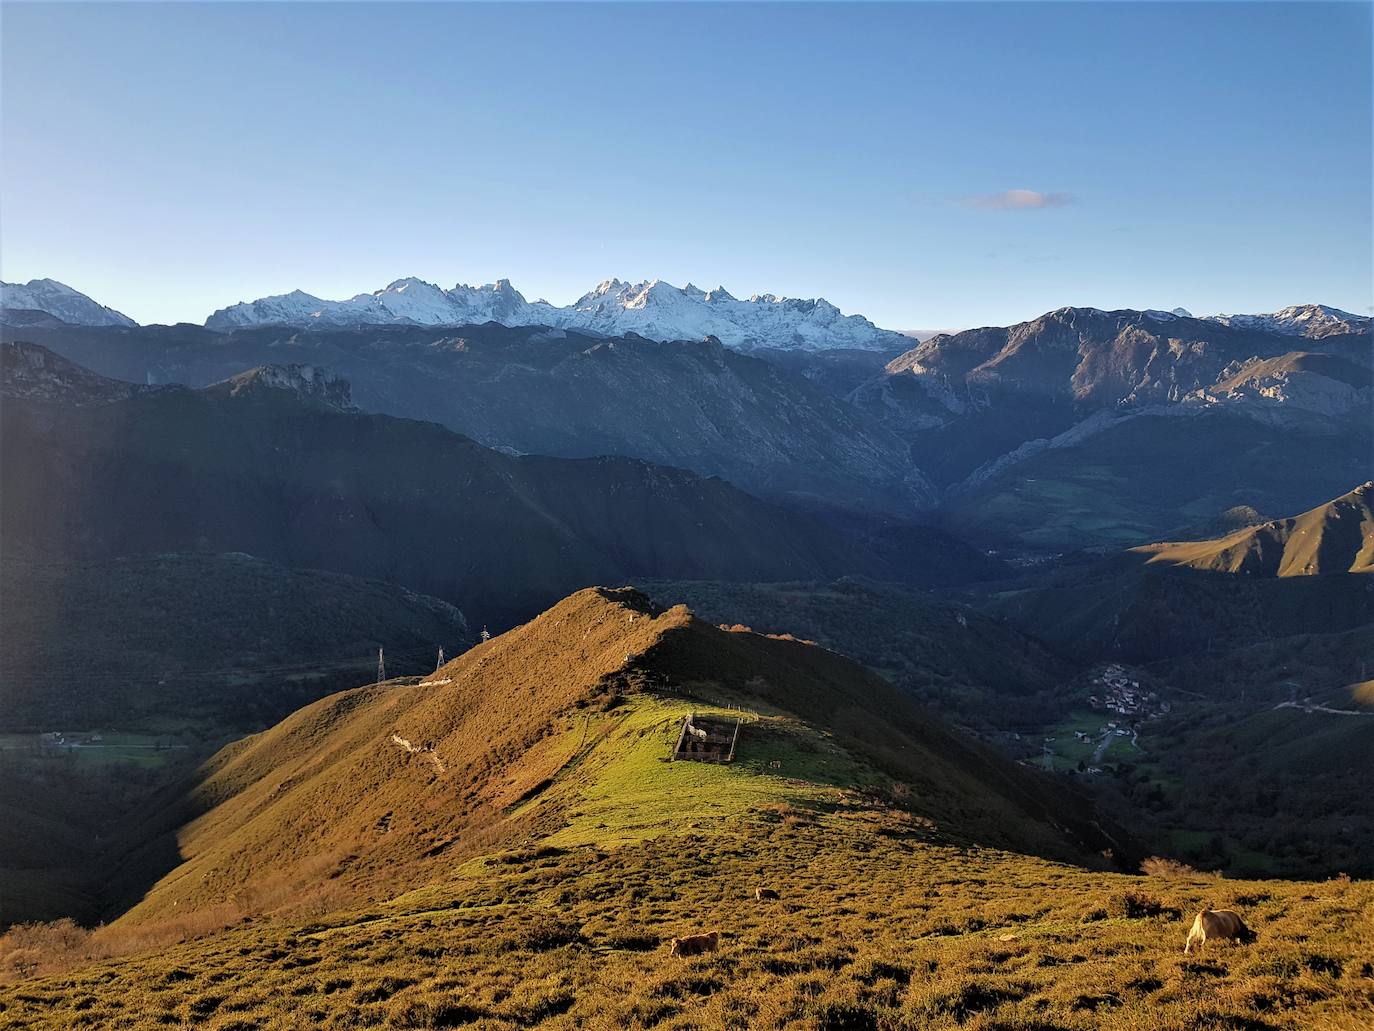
(306, 382)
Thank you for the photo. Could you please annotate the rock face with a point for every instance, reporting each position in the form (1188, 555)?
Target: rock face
(657, 310)
(304, 381)
(31, 372)
(1299, 381)
(60, 301)
(1093, 428)
(1095, 359)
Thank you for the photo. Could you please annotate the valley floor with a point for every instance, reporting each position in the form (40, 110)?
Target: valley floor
(877, 927)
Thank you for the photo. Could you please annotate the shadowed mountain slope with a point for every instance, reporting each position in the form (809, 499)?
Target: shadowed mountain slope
(275, 465)
(1153, 476)
(1256, 585)
(693, 404)
(973, 670)
(228, 638)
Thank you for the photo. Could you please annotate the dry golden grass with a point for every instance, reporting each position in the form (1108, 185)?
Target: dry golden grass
(875, 929)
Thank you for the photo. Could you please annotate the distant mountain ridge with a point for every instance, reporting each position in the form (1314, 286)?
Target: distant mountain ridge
(60, 301)
(1080, 428)
(1086, 427)
(653, 309)
(1307, 320)
(1099, 358)
(696, 405)
(260, 464)
(31, 372)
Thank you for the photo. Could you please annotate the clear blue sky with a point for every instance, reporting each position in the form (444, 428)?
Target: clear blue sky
(170, 159)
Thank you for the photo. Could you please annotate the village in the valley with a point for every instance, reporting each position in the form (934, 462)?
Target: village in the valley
(1119, 707)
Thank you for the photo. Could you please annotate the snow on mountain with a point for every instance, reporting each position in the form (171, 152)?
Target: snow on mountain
(1304, 320)
(59, 301)
(407, 301)
(656, 310)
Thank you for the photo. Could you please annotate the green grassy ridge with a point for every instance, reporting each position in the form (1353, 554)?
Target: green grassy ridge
(379, 787)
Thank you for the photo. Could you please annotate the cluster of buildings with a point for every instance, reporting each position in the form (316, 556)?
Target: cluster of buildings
(58, 739)
(1117, 692)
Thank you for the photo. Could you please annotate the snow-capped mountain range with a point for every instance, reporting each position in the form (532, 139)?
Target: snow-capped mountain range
(655, 309)
(1300, 320)
(60, 301)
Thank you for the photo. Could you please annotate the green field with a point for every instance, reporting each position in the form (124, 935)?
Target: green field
(79, 749)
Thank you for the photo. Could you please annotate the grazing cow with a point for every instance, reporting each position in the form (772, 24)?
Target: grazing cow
(1217, 923)
(694, 944)
(766, 893)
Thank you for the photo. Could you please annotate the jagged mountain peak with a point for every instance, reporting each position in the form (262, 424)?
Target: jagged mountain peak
(408, 283)
(654, 308)
(62, 302)
(1308, 320)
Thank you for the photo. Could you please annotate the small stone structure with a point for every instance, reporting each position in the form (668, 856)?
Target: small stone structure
(707, 740)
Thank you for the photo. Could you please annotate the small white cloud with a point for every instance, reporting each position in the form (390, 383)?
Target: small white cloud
(1018, 200)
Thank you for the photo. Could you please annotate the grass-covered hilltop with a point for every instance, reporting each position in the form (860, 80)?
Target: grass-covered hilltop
(508, 843)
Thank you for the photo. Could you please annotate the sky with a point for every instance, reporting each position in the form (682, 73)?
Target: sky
(927, 165)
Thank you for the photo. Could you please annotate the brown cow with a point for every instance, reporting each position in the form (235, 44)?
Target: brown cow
(694, 944)
(1217, 923)
(766, 893)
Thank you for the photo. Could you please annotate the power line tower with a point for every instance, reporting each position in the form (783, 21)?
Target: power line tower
(441, 660)
(381, 666)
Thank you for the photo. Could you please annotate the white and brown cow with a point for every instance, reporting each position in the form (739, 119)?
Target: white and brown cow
(1217, 923)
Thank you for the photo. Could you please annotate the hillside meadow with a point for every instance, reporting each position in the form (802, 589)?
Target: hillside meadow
(886, 921)
(876, 928)
(530, 861)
